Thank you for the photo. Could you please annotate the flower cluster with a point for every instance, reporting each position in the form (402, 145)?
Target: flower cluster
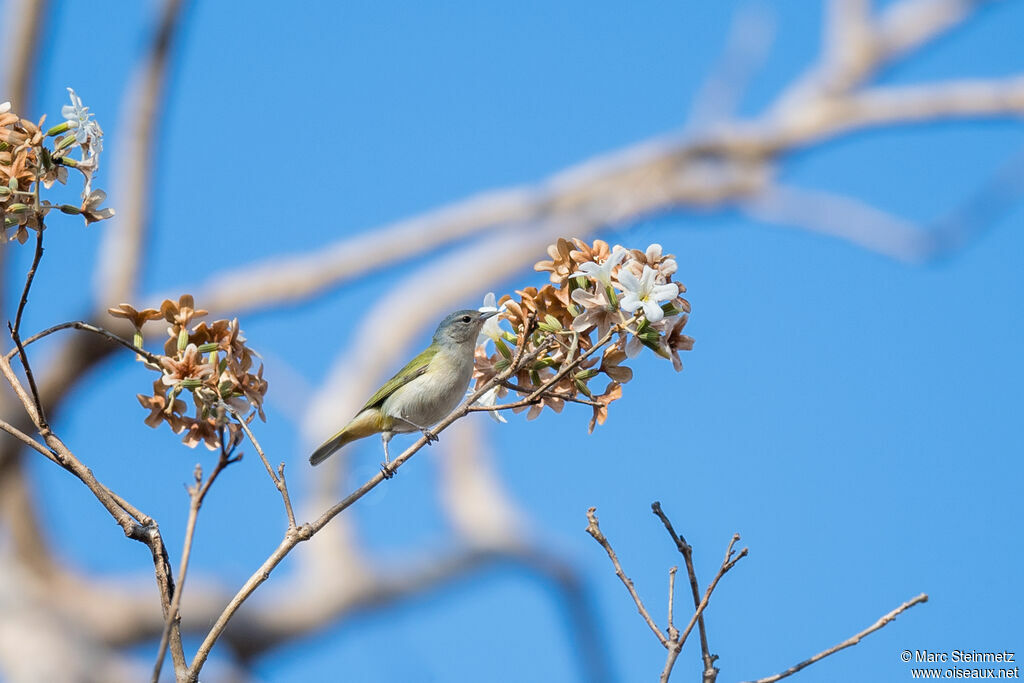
(31, 156)
(209, 361)
(602, 306)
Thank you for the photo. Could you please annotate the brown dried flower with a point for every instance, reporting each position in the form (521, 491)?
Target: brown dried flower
(136, 318)
(212, 363)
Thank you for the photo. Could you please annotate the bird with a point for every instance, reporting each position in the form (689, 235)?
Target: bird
(427, 389)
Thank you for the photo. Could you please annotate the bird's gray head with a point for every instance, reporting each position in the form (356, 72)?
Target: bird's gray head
(461, 327)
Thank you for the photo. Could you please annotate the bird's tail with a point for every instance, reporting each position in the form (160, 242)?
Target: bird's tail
(364, 424)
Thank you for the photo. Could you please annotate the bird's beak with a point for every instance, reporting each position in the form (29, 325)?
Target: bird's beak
(488, 314)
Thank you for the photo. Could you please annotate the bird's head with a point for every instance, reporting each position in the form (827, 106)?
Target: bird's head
(461, 327)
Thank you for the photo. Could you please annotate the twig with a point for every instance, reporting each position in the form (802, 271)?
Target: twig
(849, 642)
(29, 441)
(15, 329)
(594, 530)
(197, 492)
(37, 256)
(88, 327)
(278, 478)
(571, 399)
(675, 646)
(673, 632)
(728, 563)
(686, 550)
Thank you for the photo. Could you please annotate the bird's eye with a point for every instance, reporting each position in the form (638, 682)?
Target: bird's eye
(465, 318)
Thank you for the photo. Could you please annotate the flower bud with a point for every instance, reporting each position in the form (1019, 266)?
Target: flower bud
(208, 347)
(583, 388)
(613, 298)
(70, 210)
(182, 339)
(60, 128)
(503, 348)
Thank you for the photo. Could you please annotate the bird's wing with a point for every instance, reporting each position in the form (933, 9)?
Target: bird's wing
(416, 367)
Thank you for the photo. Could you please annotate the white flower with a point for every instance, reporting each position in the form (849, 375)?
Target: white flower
(5, 107)
(644, 292)
(490, 329)
(86, 130)
(490, 398)
(603, 273)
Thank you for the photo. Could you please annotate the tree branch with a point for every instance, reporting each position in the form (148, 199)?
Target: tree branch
(849, 642)
(595, 530)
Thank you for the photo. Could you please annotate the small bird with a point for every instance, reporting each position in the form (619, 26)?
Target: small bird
(427, 389)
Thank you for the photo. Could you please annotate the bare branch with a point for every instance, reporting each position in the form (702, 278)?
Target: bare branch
(278, 478)
(196, 493)
(684, 548)
(595, 530)
(849, 642)
(87, 327)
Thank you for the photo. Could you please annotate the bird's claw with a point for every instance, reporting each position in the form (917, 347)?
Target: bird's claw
(429, 436)
(385, 469)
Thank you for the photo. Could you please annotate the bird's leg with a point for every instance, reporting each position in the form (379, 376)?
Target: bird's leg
(429, 435)
(385, 467)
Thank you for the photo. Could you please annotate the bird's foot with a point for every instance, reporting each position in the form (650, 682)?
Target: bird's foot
(385, 469)
(429, 436)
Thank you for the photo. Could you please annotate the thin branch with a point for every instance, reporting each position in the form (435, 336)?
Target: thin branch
(277, 478)
(728, 563)
(37, 403)
(29, 441)
(849, 642)
(197, 493)
(686, 550)
(594, 530)
(36, 257)
(87, 327)
(15, 329)
(673, 632)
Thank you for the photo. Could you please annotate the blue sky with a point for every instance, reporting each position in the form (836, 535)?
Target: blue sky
(856, 419)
